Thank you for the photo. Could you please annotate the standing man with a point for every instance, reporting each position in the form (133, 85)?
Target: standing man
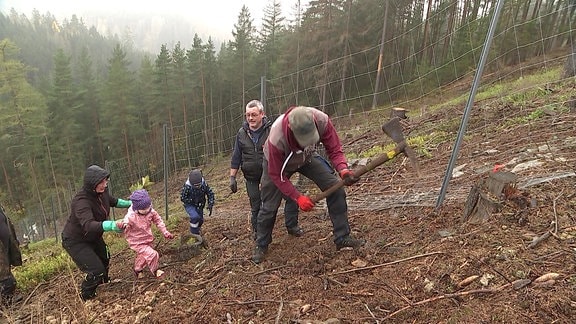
(248, 156)
(9, 256)
(88, 220)
(290, 149)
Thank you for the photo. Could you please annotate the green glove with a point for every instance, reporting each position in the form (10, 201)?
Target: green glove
(109, 226)
(123, 203)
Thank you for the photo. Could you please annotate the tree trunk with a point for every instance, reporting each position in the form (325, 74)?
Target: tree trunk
(570, 65)
(380, 57)
(450, 28)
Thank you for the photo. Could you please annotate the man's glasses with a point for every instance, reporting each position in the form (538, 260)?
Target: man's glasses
(254, 115)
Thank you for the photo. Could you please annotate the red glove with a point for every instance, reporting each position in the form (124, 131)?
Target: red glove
(168, 235)
(348, 176)
(305, 203)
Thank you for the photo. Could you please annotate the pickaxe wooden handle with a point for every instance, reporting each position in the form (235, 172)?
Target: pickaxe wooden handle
(362, 170)
(394, 130)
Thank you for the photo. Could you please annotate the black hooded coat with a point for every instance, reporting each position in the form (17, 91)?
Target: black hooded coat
(89, 208)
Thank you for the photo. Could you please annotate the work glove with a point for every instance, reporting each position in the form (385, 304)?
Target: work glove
(123, 203)
(109, 226)
(233, 184)
(348, 176)
(210, 210)
(168, 235)
(305, 203)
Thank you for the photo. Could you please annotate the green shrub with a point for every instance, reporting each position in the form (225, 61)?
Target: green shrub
(36, 271)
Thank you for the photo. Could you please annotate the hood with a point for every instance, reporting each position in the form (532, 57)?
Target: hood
(93, 175)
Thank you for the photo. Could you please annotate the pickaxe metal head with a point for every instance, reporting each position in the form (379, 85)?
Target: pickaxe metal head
(393, 128)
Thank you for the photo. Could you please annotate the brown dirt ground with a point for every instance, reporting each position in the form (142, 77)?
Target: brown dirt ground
(409, 270)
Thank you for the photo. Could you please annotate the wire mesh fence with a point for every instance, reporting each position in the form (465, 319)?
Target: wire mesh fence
(525, 83)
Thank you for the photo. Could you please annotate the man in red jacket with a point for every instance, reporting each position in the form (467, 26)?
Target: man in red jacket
(290, 149)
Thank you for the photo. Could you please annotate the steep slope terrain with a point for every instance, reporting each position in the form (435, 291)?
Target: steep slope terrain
(413, 266)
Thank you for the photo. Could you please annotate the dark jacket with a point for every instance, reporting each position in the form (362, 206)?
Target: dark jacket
(89, 209)
(196, 196)
(10, 247)
(248, 153)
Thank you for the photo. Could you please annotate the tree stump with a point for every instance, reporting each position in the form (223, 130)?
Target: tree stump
(398, 112)
(187, 248)
(488, 196)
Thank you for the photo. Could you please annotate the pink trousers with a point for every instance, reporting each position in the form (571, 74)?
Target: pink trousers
(145, 256)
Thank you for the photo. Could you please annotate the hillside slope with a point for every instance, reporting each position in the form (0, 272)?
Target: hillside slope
(416, 255)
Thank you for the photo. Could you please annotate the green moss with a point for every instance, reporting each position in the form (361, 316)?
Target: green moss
(36, 271)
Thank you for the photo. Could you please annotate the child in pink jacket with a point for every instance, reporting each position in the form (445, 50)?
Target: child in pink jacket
(137, 226)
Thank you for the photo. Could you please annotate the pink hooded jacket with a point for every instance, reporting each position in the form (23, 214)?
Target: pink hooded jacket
(138, 228)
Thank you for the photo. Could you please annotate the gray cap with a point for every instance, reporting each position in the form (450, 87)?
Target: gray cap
(303, 127)
(195, 177)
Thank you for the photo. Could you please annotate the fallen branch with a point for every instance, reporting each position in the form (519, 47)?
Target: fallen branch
(539, 239)
(279, 316)
(257, 301)
(31, 293)
(267, 270)
(556, 214)
(361, 136)
(387, 264)
(458, 294)
(335, 281)
(371, 314)
(518, 284)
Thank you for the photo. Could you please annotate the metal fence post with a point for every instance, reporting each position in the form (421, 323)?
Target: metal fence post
(469, 103)
(165, 157)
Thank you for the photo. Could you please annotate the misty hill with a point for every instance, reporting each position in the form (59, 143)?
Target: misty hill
(150, 32)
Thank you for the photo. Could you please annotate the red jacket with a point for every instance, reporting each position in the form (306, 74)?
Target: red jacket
(283, 153)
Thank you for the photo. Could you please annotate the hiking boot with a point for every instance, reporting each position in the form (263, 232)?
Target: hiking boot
(295, 231)
(349, 242)
(10, 300)
(204, 243)
(86, 295)
(259, 253)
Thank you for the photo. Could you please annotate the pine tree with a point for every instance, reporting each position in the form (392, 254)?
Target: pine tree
(269, 37)
(22, 125)
(243, 49)
(117, 116)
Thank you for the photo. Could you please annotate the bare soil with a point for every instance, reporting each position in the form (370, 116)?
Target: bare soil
(410, 271)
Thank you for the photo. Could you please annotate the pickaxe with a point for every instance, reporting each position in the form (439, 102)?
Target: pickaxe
(393, 129)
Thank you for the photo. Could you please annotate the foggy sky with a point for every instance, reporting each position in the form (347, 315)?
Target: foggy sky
(214, 18)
